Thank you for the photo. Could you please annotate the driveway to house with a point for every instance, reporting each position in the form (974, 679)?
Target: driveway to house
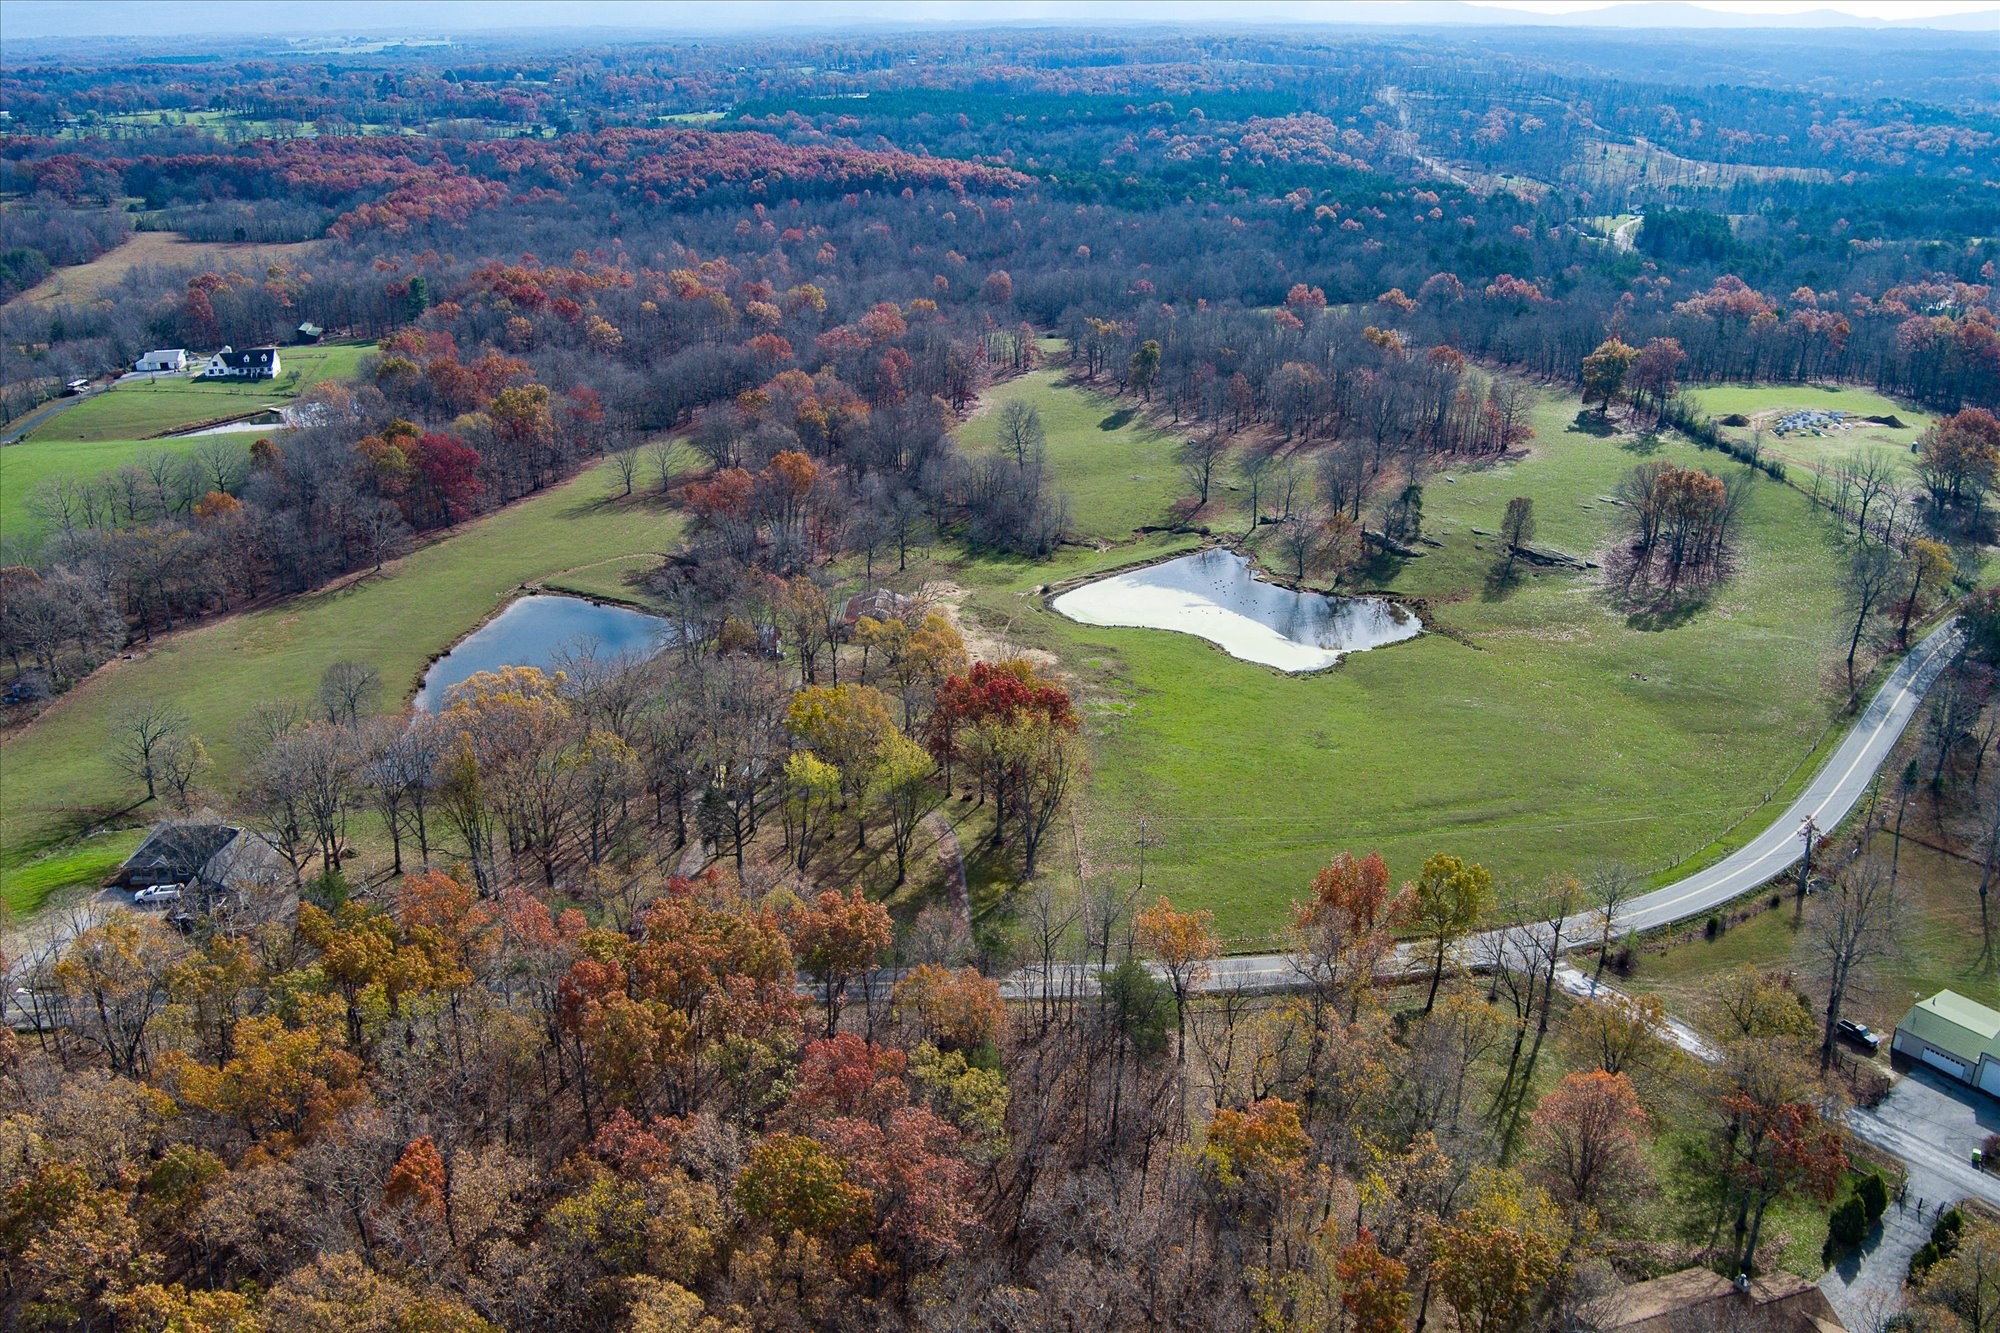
(1827, 799)
(1931, 1123)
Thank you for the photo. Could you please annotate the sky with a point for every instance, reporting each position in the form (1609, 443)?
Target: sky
(26, 19)
(1873, 9)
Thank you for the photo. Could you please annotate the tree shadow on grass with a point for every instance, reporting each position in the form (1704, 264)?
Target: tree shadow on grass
(1643, 445)
(1118, 420)
(1502, 578)
(1587, 422)
(1669, 611)
(1651, 606)
(1378, 569)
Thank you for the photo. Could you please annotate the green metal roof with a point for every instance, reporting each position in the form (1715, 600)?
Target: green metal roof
(1952, 1023)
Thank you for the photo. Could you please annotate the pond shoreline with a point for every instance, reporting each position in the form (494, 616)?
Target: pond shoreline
(1229, 604)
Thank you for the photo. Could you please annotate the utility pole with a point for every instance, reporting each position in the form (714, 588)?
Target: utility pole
(1808, 831)
(1142, 856)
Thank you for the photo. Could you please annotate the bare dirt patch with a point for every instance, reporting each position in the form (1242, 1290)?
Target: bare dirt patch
(982, 642)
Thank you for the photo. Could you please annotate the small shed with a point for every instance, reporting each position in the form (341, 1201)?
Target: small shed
(308, 333)
(1955, 1036)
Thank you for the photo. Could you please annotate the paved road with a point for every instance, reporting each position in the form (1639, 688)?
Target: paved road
(1834, 791)
(47, 412)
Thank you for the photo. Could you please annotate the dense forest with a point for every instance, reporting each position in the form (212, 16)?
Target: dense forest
(551, 1070)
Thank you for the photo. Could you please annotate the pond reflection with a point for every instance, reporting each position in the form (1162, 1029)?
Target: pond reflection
(1214, 595)
(535, 631)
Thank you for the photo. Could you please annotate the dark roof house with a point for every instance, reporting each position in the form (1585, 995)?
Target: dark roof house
(1696, 1300)
(255, 363)
(226, 869)
(876, 604)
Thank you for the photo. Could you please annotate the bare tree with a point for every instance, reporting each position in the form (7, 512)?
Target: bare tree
(345, 689)
(142, 735)
(1200, 456)
(662, 459)
(1612, 886)
(1254, 465)
(1853, 927)
(1021, 431)
(1871, 574)
(1302, 541)
(626, 464)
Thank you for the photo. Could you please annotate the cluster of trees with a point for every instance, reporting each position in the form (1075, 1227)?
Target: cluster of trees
(491, 1109)
(1680, 522)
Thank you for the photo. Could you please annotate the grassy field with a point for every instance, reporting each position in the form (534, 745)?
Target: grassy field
(98, 278)
(27, 465)
(103, 433)
(142, 408)
(1542, 732)
(1764, 403)
(1118, 470)
(66, 814)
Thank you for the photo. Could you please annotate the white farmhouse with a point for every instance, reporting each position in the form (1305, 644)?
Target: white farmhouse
(256, 363)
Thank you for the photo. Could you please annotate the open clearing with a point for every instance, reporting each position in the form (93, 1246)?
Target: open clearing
(144, 249)
(1542, 733)
(108, 431)
(137, 409)
(62, 802)
(1763, 404)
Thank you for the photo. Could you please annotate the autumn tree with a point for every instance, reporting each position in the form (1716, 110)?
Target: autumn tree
(1604, 372)
(1341, 935)
(1775, 1143)
(1447, 899)
(1185, 947)
(1587, 1141)
(836, 938)
(1499, 1261)
(1927, 564)
(1373, 1286)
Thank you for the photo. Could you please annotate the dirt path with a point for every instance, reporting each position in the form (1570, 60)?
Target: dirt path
(952, 858)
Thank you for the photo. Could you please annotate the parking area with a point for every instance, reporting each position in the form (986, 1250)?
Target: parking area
(1932, 1123)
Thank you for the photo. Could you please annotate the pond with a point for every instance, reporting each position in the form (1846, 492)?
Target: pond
(1214, 595)
(535, 631)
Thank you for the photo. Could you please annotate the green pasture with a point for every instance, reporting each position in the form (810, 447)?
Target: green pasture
(25, 466)
(1118, 471)
(1762, 403)
(1541, 730)
(65, 811)
(143, 408)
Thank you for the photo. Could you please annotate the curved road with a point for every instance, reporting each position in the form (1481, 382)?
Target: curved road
(1834, 791)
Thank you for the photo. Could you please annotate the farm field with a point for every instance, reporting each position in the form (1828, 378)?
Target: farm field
(138, 409)
(1763, 404)
(99, 278)
(1541, 732)
(25, 466)
(65, 811)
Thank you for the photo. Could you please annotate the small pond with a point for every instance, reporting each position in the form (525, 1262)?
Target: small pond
(535, 631)
(1214, 595)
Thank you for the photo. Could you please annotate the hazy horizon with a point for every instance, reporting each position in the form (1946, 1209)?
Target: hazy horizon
(46, 20)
